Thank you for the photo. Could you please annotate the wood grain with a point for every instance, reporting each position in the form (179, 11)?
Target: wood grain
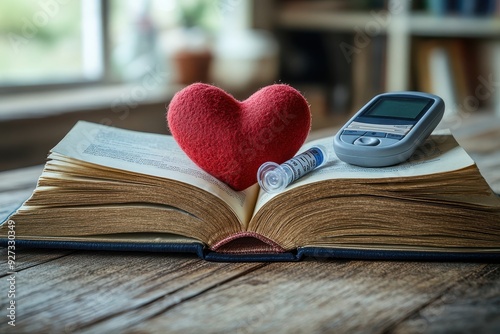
(480, 137)
(18, 179)
(94, 292)
(15, 187)
(93, 288)
(470, 306)
(313, 297)
(29, 258)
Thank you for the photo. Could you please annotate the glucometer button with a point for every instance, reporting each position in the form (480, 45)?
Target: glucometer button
(367, 141)
(376, 134)
(353, 132)
(394, 136)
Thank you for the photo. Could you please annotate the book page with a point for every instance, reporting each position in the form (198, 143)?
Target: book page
(440, 153)
(150, 154)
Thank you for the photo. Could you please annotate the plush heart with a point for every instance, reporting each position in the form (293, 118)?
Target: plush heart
(230, 139)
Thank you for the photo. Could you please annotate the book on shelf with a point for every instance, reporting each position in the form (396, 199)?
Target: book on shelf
(434, 72)
(368, 71)
(463, 8)
(106, 188)
(461, 71)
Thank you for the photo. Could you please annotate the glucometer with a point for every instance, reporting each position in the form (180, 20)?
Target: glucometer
(388, 129)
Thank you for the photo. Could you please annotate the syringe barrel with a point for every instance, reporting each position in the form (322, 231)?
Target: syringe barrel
(274, 178)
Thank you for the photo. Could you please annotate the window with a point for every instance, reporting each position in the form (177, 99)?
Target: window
(142, 31)
(50, 42)
(47, 43)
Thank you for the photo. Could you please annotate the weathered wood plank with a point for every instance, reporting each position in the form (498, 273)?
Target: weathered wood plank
(20, 178)
(480, 137)
(470, 306)
(27, 258)
(152, 292)
(306, 297)
(10, 201)
(15, 187)
(92, 288)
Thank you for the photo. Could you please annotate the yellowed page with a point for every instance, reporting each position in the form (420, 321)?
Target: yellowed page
(150, 154)
(440, 153)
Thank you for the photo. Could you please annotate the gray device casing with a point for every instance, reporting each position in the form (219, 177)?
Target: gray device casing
(375, 151)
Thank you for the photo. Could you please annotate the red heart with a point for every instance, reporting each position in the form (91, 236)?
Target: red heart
(230, 139)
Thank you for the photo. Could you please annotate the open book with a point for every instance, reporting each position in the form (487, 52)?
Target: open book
(108, 188)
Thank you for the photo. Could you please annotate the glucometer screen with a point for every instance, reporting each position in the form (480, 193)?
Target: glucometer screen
(398, 108)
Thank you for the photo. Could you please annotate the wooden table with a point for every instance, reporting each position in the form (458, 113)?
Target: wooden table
(60, 291)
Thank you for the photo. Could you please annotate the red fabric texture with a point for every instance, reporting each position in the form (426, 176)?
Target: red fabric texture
(230, 139)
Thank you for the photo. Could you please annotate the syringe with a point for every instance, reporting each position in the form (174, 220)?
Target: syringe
(274, 178)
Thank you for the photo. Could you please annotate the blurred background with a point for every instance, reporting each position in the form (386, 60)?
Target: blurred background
(118, 62)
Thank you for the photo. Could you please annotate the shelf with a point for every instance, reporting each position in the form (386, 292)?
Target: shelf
(114, 98)
(324, 20)
(394, 52)
(420, 24)
(428, 25)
